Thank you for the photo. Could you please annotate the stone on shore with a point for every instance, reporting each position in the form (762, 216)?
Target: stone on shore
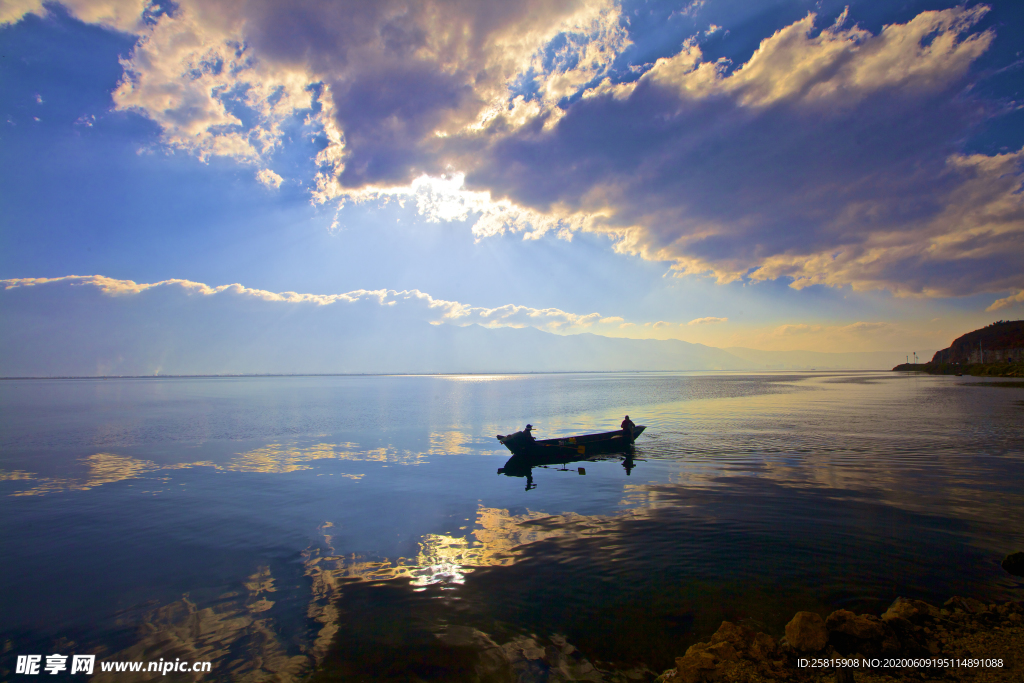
(968, 605)
(806, 632)
(862, 634)
(734, 653)
(964, 630)
(911, 610)
(1014, 563)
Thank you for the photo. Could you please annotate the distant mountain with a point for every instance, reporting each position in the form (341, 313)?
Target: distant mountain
(119, 347)
(446, 348)
(807, 360)
(62, 330)
(996, 342)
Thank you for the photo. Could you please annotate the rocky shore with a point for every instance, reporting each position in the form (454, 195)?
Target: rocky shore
(963, 640)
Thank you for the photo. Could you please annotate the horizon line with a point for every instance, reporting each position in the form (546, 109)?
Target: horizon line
(426, 374)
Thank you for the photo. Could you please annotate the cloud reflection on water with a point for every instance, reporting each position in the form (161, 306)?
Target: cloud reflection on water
(748, 476)
(108, 468)
(235, 633)
(238, 631)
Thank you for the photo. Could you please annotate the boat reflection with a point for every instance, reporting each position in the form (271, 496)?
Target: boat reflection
(521, 465)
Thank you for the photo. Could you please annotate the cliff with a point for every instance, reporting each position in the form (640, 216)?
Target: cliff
(999, 342)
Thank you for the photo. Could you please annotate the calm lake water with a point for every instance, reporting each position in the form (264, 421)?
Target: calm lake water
(273, 525)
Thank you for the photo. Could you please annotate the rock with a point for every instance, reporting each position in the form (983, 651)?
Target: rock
(1014, 563)
(911, 610)
(912, 641)
(738, 636)
(667, 676)
(696, 665)
(849, 633)
(763, 647)
(969, 605)
(844, 676)
(491, 660)
(724, 652)
(806, 632)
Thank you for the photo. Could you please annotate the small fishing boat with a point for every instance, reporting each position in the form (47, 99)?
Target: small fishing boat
(521, 443)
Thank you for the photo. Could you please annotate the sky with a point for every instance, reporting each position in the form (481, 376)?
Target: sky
(777, 175)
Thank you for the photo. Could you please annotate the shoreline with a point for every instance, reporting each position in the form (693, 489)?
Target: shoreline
(973, 370)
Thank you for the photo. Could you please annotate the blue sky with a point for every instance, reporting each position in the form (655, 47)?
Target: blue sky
(776, 175)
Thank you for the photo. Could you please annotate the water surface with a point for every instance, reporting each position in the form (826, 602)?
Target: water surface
(276, 524)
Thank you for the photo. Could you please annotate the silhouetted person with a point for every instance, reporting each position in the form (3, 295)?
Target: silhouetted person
(627, 427)
(528, 432)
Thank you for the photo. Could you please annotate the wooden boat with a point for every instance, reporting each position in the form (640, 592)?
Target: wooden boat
(521, 443)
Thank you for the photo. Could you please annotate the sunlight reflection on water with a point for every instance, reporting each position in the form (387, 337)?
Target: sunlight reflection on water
(253, 520)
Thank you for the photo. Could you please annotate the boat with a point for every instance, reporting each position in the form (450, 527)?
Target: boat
(521, 443)
(522, 465)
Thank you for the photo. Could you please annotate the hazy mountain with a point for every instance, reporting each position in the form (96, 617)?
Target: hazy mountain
(808, 360)
(59, 329)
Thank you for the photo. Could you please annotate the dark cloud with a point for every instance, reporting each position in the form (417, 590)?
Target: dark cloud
(833, 155)
(400, 70)
(388, 119)
(848, 167)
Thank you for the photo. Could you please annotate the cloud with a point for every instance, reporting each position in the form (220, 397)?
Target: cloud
(122, 15)
(610, 320)
(195, 74)
(446, 199)
(707, 321)
(862, 327)
(384, 82)
(419, 305)
(95, 325)
(828, 158)
(833, 156)
(269, 178)
(1007, 301)
(823, 337)
(792, 330)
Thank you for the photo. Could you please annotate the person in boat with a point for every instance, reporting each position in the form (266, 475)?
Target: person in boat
(627, 427)
(528, 432)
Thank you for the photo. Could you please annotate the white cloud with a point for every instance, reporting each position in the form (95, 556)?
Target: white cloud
(423, 305)
(269, 178)
(445, 198)
(837, 66)
(398, 70)
(863, 327)
(95, 325)
(123, 15)
(860, 336)
(830, 157)
(791, 330)
(194, 75)
(1007, 301)
(710, 320)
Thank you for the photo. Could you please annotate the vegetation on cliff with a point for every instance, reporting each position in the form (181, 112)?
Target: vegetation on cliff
(1001, 344)
(999, 336)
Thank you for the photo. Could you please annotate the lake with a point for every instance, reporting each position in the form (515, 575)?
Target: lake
(273, 525)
